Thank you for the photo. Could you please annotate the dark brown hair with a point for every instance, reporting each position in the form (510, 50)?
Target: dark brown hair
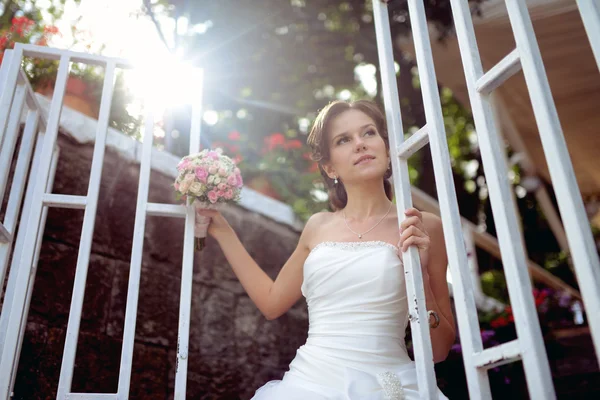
(319, 143)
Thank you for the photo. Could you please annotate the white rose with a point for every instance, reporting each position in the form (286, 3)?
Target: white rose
(217, 180)
(196, 188)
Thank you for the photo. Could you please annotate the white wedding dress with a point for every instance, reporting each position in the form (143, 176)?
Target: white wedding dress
(358, 313)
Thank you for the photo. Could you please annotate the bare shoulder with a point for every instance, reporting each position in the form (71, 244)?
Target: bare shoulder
(313, 225)
(433, 223)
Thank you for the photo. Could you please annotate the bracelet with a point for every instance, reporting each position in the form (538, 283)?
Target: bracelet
(436, 319)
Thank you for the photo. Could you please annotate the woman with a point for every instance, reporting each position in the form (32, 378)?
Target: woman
(350, 270)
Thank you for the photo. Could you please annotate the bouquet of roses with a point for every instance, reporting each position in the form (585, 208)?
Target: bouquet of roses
(207, 180)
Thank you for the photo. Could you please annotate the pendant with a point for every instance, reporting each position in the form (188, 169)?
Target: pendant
(360, 236)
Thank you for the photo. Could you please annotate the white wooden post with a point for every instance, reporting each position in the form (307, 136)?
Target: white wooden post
(87, 232)
(187, 273)
(12, 213)
(568, 195)
(24, 264)
(590, 14)
(434, 134)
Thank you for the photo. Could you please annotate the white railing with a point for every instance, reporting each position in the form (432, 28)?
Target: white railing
(529, 347)
(16, 94)
(590, 14)
(40, 198)
(11, 110)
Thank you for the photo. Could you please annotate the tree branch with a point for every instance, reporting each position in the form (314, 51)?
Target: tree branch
(148, 8)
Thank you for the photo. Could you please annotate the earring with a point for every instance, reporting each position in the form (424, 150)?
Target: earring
(335, 181)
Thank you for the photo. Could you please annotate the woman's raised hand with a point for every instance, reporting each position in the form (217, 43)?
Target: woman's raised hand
(218, 226)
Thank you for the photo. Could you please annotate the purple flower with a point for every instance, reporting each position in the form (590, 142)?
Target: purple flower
(487, 335)
(564, 300)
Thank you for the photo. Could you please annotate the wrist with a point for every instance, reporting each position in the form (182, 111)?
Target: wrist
(225, 236)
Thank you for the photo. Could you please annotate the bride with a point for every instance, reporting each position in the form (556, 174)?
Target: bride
(348, 265)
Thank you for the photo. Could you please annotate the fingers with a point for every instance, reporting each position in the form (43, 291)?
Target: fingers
(413, 212)
(422, 242)
(206, 212)
(410, 221)
(412, 231)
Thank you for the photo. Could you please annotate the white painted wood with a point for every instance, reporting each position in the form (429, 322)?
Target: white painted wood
(197, 110)
(498, 355)
(166, 210)
(12, 64)
(7, 148)
(135, 268)
(590, 14)
(23, 265)
(414, 278)
(4, 69)
(50, 53)
(64, 201)
(513, 136)
(38, 247)
(90, 203)
(187, 272)
(568, 196)
(17, 188)
(499, 73)
(414, 143)
(91, 396)
(185, 300)
(535, 360)
(11, 284)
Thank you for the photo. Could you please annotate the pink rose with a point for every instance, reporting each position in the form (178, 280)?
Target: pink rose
(232, 180)
(237, 171)
(222, 187)
(212, 170)
(229, 194)
(176, 186)
(213, 154)
(212, 196)
(183, 165)
(201, 174)
(222, 172)
(240, 182)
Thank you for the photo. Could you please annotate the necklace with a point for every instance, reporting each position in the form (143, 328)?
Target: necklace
(360, 235)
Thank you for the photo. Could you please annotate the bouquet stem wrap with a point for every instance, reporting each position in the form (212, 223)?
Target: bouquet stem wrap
(202, 223)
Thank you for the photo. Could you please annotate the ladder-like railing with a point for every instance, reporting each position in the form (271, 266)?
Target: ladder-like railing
(22, 271)
(529, 347)
(16, 94)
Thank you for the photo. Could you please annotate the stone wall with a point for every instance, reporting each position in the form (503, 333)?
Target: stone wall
(233, 348)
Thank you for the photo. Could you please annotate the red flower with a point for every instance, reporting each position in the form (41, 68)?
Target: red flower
(293, 144)
(314, 167)
(234, 135)
(499, 322)
(275, 140)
